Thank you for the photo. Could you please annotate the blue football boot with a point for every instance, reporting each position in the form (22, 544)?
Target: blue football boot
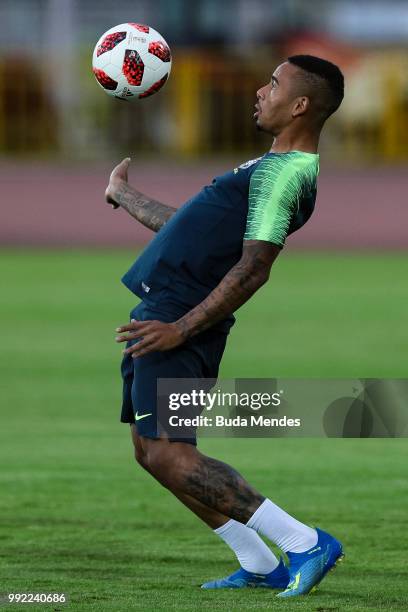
(307, 569)
(277, 579)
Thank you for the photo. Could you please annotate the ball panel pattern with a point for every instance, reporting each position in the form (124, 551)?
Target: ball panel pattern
(140, 27)
(110, 41)
(160, 50)
(104, 79)
(133, 67)
(154, 88)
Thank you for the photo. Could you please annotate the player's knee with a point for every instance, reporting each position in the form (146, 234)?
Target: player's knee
(167, 462)
(156, 463)
(140, 454)
(161, 463)
(141, 458)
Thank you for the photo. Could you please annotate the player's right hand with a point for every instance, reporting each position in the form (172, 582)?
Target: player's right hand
(118, 175)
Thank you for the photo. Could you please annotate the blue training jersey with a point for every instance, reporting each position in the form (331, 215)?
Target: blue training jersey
(267, 198)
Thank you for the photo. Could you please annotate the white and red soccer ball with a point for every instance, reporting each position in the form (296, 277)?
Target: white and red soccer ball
(131, 61)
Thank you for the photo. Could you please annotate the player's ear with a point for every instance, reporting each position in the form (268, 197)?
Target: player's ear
(300, 106)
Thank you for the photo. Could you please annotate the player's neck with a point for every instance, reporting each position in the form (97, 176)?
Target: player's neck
(284, 144)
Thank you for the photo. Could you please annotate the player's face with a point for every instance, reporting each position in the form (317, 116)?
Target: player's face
(274, 105)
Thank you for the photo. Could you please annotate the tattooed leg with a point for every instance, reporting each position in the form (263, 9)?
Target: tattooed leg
(209, 516)
(219, 486)
(187, 472)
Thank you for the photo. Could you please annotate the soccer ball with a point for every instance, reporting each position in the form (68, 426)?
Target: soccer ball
(131, 61)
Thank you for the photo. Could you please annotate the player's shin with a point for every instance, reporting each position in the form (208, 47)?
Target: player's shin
(250, 550)
(218, 486)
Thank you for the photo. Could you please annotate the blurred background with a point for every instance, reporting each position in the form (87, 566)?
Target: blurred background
(223, 51)
(60, 135)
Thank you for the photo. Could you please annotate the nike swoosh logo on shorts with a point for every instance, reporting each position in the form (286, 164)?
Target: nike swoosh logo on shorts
(142, 416)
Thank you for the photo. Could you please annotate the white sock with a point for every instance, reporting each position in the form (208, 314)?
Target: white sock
(250, 550)
(284, 530)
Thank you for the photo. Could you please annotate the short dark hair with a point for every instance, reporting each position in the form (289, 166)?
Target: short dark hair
(323, 79)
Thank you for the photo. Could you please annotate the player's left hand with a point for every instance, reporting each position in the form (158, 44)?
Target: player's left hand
(152, 336)
(118, 175)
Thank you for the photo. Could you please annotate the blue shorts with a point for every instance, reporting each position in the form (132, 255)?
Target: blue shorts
(198, 357)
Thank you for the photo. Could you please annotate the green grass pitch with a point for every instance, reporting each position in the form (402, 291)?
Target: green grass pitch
(79, 516)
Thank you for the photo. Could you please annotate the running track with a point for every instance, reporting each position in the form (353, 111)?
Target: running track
(45, 205)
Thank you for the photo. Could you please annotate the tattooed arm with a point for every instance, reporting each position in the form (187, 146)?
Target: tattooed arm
(149, 212)
(237, 286)
(119, 193)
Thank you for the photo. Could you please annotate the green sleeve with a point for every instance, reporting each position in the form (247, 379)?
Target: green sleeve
(275, 190)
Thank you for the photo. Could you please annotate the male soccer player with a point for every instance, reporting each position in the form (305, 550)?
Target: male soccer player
(207, 259)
